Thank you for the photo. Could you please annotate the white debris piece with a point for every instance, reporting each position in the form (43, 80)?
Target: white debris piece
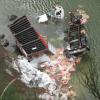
(43, 18)
(34, 48)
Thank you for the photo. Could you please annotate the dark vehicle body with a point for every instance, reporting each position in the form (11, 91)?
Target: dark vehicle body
(75, 40)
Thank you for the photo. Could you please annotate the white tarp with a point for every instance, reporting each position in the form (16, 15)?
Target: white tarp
(43, 18)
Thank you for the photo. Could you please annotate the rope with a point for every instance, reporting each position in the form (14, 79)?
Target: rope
(5, 89)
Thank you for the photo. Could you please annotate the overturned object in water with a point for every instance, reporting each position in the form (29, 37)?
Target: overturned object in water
(75, 39)
(28, 40)
(59, 12)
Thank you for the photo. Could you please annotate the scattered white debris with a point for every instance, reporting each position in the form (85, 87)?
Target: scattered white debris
(54, 78)
(31, 76)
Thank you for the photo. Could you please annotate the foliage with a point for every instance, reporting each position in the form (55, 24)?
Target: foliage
(90, 79)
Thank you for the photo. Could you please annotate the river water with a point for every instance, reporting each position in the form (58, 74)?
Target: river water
(54, 31)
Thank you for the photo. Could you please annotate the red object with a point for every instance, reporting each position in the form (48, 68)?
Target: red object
(42, 40)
